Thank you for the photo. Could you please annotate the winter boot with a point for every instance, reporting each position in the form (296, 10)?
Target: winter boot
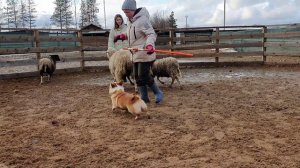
(157, 92)
(144, 93)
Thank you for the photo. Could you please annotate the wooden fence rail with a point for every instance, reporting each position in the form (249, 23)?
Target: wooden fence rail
(257, 38)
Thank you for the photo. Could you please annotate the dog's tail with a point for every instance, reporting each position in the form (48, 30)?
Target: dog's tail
(136, 98)
(144, 107)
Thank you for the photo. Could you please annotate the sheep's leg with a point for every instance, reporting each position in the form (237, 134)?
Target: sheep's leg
(118, 78)
(177, 79)
(173, 79)
(49, 76)
(160, 80)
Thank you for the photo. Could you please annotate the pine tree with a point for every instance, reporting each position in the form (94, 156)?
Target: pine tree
(83, 15)
(23, 14)
(7, 16)
(62, 15)
(68, 18)
(92, 11)
(172, 21)
(31, 11)
(89, 12)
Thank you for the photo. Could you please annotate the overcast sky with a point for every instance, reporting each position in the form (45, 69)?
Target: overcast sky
(197, 12)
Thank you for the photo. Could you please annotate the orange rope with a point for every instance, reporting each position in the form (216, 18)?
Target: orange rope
(162, 51)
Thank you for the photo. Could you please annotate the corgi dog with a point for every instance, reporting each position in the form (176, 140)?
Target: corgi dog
(128, 101)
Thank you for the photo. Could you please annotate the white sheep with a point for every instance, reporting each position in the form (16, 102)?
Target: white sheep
(47, 66)
(120, 65)
(166, 67)
(110, 51)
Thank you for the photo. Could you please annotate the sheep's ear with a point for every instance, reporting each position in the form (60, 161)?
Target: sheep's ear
(57, 58)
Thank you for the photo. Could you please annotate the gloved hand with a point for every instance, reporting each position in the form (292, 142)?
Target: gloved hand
(150, 49)
(120, 37)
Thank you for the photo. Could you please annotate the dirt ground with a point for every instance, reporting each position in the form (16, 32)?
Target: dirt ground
(223, 117)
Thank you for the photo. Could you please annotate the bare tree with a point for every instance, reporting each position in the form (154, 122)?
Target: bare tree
(7, 17)
(31, 13)
(12, 13)
(62, 15)
(158, 21)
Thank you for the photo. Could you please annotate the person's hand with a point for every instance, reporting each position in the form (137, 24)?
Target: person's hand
(150, 49)
(117, 38)
(120, 37)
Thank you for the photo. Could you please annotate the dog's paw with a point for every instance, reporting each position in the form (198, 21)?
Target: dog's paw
(136, 117)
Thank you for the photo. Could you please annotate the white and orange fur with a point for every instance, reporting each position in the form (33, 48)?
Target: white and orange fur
(128, 101)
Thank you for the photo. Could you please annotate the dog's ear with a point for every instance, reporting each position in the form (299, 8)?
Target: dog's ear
(135, 98)
(120, 83)
(113, 84)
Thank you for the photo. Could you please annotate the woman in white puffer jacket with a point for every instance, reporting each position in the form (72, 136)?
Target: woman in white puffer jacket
(140, 34)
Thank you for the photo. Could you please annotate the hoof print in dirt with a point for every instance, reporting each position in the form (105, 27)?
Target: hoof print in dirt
(55, 123)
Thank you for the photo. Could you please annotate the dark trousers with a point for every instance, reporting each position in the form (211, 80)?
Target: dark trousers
(142, 73)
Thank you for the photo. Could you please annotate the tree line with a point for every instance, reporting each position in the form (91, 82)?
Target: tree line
(17, 14)
(23, 14)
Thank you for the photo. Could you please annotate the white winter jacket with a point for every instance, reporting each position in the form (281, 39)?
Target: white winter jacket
(141, 33)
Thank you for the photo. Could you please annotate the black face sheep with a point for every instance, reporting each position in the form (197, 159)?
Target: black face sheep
(120, 65)
(167, 67)
(47, 66)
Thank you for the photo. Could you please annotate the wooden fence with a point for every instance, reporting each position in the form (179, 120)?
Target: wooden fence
(244, 41)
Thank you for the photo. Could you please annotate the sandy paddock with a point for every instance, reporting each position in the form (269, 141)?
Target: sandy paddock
(223, 117)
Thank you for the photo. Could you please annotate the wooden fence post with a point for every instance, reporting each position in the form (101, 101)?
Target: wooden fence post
(79, 34)
(264, 48)
(171, 42)
(217, 43)
(37, 44)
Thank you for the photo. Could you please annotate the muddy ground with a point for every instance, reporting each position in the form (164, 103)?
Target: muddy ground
(223, 117)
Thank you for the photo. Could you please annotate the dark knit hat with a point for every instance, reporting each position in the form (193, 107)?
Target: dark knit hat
(129, 5)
